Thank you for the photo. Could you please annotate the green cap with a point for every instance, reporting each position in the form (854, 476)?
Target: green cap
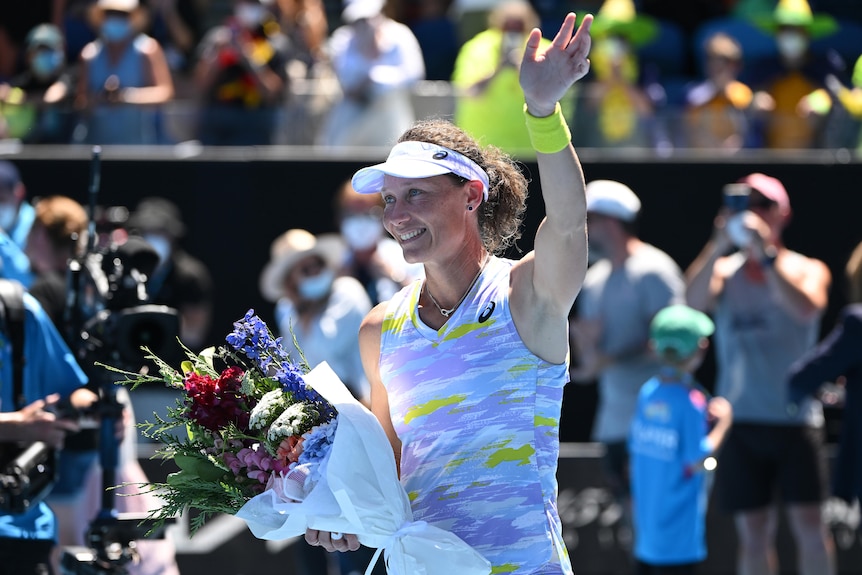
(680, 328)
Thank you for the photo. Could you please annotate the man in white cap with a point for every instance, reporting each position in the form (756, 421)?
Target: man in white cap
(628, 282)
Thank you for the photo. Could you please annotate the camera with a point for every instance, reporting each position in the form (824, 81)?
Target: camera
(109, 318)
(736, 197)
(736, 201)
(27, 478)
(108, 315)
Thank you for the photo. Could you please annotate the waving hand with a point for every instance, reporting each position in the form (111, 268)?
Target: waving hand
(546, 76)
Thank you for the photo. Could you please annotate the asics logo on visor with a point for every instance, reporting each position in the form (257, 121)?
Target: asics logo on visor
(414, 159)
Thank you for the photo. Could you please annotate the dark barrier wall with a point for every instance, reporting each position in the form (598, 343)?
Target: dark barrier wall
(235, 208)
(236, 202)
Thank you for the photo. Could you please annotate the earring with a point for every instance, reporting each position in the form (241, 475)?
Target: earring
(469, 208)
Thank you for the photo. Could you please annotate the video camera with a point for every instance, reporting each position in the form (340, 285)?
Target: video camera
(109, 317)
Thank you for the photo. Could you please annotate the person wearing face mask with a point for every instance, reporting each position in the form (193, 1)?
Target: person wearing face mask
(180, 280)
(38, 102)
(789, 89)
(627, 283)
(488, 102)
(318, 314)
(124, 78)
(241, 77)
(321, 309)
(16, 219)
(373, 257)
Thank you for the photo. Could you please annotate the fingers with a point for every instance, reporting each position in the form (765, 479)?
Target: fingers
(332, 541)
(533, 41)
(564, 36)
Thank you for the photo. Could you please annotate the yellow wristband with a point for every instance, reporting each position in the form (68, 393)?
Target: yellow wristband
(550, 134)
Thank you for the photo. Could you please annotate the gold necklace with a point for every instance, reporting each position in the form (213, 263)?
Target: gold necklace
(447, 312)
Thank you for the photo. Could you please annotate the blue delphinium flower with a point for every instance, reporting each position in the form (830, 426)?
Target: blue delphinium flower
(252, 337)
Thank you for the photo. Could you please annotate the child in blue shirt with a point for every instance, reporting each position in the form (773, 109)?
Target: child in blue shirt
(676, 428)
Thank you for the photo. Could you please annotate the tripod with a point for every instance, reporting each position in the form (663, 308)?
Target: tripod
(111, 536)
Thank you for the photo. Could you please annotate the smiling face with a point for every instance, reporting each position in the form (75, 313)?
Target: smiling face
(429, 216)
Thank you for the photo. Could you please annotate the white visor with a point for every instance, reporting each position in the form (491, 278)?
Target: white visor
(418, 160)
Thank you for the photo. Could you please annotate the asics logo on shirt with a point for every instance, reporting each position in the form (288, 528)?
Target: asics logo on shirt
(486, 313)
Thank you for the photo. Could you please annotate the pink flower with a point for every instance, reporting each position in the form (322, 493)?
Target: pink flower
(260, 475)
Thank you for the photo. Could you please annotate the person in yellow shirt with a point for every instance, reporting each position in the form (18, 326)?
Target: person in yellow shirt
(489, 105)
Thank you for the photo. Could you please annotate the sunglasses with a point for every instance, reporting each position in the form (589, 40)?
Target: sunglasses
(758, 201)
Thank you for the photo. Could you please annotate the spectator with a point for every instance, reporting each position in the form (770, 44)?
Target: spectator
(321, 313)
(850, 98)
(767, 302)
(674, 430)
(16, 21)
(28, 539)
(311, 81)
(305, 24)
(38, 103)
(177, 26)
(489, 105)
(16, 218)
(321, 310)
(16, 214)
(58, 235)
(437, 34)
(717, 109)
(124, 77)
(376, 60)
(614, 109)
(372, 256)
(789, 88)
(180, 280)
(836, 359)
(628, 283)
(241, 77)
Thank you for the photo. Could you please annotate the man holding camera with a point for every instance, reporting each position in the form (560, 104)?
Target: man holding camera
(767, 302)
(31, 384)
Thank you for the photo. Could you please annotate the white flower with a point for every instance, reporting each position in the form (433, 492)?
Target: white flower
(293, 421)
(267, 410)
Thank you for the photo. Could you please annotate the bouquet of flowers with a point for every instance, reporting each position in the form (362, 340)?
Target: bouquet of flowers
(287, 448)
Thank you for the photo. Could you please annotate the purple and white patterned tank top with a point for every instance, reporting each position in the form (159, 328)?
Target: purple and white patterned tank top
(478, 415)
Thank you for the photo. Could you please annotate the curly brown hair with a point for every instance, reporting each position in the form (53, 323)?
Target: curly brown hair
(501, 215)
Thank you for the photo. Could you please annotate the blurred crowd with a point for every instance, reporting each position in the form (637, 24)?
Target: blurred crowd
(729, 75)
